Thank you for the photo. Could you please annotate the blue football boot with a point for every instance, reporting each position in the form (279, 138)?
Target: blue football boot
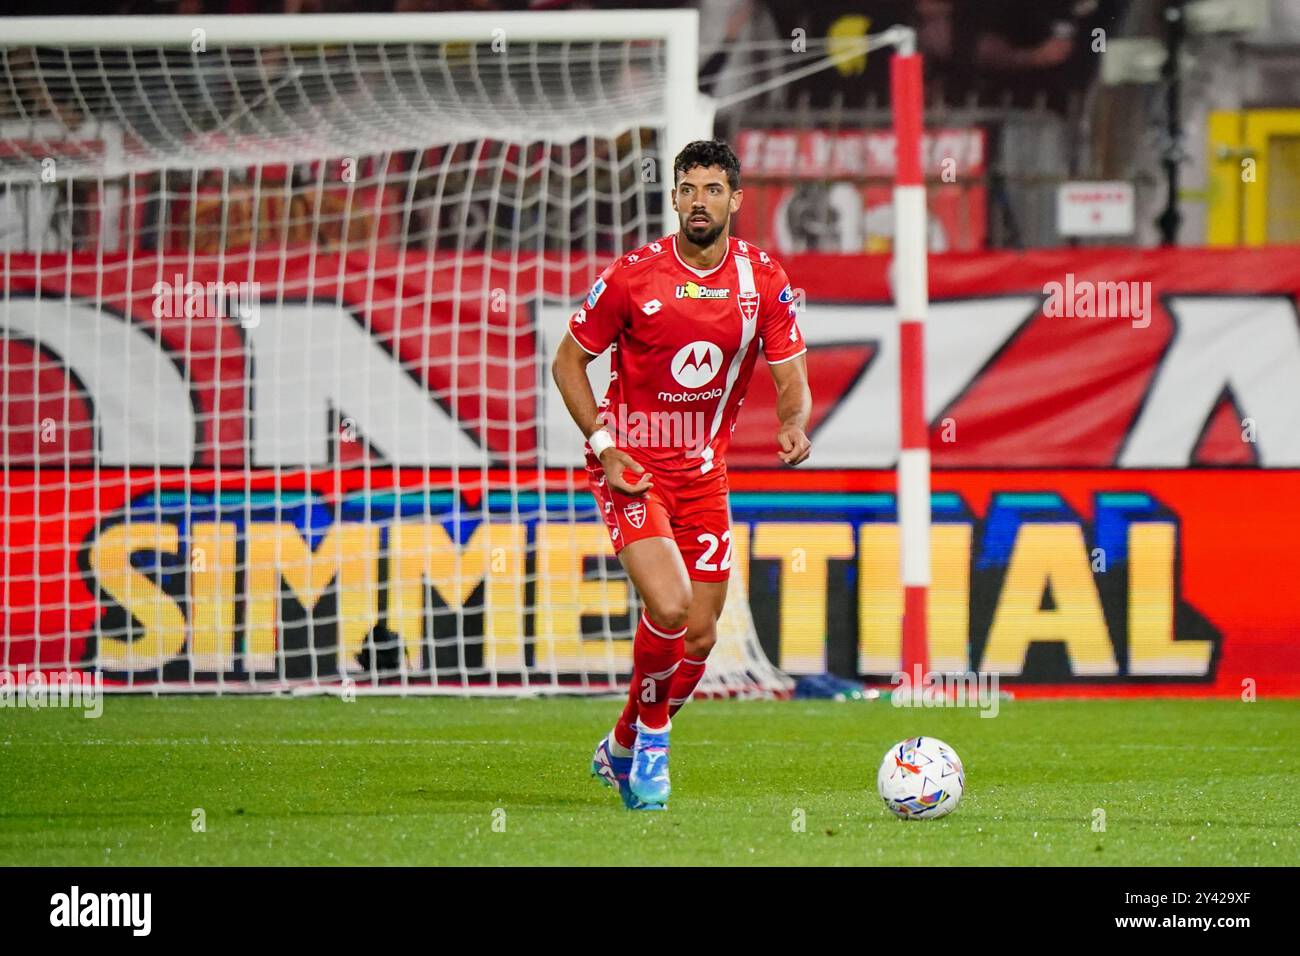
(607, 768)
(613, 772)
(648, 779)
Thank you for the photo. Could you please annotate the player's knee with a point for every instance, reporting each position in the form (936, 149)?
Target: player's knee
(668, 612)
(699, 644)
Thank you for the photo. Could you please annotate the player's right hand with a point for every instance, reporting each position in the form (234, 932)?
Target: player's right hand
(616, 463)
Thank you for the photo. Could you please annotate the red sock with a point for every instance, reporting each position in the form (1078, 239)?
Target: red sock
(688, 675)
(656, 654)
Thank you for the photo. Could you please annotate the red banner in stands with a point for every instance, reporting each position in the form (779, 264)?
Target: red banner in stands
(1098, 358)
(1101, 358)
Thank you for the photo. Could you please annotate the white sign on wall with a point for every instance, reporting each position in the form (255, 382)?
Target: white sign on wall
(1094, 209)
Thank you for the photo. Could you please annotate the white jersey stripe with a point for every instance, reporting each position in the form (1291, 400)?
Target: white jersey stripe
(748, 329)
(788, 358)
(583, 347)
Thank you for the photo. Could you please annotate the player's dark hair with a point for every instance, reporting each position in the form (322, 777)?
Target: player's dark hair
(708, 152)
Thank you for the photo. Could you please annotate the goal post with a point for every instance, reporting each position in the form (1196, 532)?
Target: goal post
(910, 285)
(911, 298)
(279, 295)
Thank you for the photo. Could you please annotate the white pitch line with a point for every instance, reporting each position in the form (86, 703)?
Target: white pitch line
(176, 742)
(387, 741)
(1232, 747)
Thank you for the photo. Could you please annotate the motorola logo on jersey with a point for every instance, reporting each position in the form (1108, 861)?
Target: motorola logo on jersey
(697, 364)
(690, 396)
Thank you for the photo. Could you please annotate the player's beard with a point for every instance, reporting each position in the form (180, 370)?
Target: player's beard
(702, 236)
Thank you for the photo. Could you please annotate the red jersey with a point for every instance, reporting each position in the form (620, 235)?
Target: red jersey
(684, 344)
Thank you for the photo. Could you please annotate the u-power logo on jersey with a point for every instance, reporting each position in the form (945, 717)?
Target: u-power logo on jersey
(693, 290)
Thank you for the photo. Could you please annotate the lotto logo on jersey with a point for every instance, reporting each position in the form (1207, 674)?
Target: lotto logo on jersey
(695, 365)
(594, 295)
(693, 290)
(634, 511)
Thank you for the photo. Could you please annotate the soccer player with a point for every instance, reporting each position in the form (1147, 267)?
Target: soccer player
(685, 318)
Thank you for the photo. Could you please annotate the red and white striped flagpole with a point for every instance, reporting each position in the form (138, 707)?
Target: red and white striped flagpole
(911, 297)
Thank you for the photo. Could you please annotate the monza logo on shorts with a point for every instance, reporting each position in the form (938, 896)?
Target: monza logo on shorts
(634, 511)
(749, 305)
(696, 364)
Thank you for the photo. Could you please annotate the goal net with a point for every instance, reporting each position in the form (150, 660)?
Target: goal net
(279, 296)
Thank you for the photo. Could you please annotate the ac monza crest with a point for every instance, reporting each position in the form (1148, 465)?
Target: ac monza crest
(749, 305)
(634, 511)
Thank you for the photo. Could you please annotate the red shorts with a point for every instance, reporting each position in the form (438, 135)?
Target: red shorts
(691, 509)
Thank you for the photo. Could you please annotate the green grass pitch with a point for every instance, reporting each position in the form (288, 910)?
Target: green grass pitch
(423, 781)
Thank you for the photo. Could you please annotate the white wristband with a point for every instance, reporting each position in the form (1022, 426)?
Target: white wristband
(599, 440)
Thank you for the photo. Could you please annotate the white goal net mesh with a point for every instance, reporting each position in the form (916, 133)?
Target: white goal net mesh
(277, 318)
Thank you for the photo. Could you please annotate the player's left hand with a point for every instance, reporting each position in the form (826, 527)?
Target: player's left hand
(795, 446)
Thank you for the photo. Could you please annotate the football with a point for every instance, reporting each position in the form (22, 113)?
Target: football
(921, 778)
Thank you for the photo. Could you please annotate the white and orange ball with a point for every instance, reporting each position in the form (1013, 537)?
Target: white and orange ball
(921, 778)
